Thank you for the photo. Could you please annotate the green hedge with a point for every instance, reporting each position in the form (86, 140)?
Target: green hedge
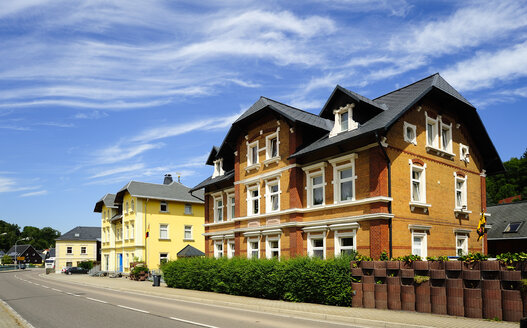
(299, 279)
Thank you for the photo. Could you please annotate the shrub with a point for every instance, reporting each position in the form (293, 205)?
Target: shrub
(6, 259)
(299, 279)
(88, 265)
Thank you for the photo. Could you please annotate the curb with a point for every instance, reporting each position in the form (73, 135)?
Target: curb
(21, 322)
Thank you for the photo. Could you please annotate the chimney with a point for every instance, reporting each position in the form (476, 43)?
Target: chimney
(168, 179)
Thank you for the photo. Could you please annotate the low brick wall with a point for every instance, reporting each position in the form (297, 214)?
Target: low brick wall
(484, 289)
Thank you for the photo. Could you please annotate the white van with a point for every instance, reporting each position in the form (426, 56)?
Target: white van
(50, 263)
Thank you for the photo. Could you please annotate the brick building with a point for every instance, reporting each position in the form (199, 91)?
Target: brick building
(403, 173)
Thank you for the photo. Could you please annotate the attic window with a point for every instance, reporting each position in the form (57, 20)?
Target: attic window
(463, 153)
(343, 120)
(218, 168)
(410, 133)
(513, 227)
(77, 235)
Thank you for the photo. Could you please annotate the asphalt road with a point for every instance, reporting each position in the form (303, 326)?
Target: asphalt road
(45, 303)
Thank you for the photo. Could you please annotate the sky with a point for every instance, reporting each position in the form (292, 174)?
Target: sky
(94, 94)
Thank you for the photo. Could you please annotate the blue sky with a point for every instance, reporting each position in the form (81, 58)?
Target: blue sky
(94, 94)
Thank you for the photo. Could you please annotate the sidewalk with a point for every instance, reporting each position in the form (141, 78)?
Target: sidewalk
(8, 317)
(359, 316)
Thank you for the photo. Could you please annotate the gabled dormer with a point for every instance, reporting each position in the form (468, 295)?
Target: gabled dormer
(343, 120)
(218, 168)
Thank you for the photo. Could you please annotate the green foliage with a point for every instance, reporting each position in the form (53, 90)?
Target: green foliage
(473, 257)
(138, 269)
(39, 238)
(408, 258)
(88, 265)
(437, 258)
(511, 183)
(510, 259)
(361, 258)
(420, 279)
(300, 279)
(384, 256)
(6, 259)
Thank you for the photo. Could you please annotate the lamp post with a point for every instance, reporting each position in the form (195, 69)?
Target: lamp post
(16, 251)
(2, 234)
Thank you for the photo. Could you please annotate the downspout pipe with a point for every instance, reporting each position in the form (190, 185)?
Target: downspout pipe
(389, 165)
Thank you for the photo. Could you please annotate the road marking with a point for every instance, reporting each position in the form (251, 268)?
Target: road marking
(57, 290)
(37, 284)
(193, 322)
(96, 300)
(131, 308)
(45, 286)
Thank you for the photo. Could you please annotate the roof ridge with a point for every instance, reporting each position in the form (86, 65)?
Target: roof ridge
(406, 86)
(516, 202)
(281, 103)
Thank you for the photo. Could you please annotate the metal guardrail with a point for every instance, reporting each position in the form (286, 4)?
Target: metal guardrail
(7, 267)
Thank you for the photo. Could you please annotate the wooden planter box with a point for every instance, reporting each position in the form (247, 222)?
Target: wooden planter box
(512, 305)
(379, 273)
(356, 272)
(422, 297)
(473, 302)
(420, 265)
(438, 299)
(407, 273)
(471, 275)
(408, 298)
(436, 265)
(471, 265)
(366, 264)
(356, 300)
(381, 296)
(437, 274)
(368, 295)
(511, 275)
(490, 266)
(454, 294)
(392, 265)
(491, 295)
(453, 266)
(394, 292)
(406, 265)
(379, 264)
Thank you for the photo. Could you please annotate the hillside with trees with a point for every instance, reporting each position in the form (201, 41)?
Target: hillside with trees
(511, 183)
(39, 238)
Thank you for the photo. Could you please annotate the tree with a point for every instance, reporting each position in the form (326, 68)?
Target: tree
(6, 259)
(39, 238)
(511, 183)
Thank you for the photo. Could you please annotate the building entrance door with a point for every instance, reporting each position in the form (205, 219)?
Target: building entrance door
(120, 262)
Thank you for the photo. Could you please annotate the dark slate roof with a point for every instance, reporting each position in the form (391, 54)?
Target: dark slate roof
(212, 155)
(502, 215)
(172, 192)
(210, 181)
(82, 233)
(20, 249)
(108, 200)
(397, 103)
(189, 251)
(291, 113)
(327, 110)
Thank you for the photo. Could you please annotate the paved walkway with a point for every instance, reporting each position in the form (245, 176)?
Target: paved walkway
(359, 316)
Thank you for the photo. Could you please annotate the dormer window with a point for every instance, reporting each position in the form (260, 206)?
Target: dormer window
(218, 168)
(344, 120)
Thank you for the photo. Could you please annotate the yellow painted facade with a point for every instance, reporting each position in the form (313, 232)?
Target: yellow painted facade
(70, 253)
(124, 237)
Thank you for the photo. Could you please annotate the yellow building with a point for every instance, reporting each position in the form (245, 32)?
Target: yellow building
(172, 217)
(77, 245)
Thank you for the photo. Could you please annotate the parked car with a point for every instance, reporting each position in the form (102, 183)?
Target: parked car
(74, 270)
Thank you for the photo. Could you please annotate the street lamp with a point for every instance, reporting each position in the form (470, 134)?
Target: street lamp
(16, 253)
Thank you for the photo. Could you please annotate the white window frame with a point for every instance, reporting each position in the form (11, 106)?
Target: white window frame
(161, 225)
(132, 230)
(251, 199)
(231, 248)
(464, 247)
(218, 208)
(268, 150)
(250, 250)
(187, 228)
(250, 160)
(463, 191)
(413, 128)
(337, 127)
(231, 206)
(268, 250)
(447, 127)
(127, 208)
(127, 232)
(341, 164)
(69, 250)
(269, 195)
(188, 209)
(218, 168)
(338, 241)
(165, 203)
(424, 244)
(314, 171)
(84, 250)
(435, 132)
(311, 236)
(464, 154)
(422, 187)
(132, 208)
(217, 253)
(165, 257)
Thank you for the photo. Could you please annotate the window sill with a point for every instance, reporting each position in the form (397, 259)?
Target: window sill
(164, 239)
(272, 160)
(189, 240)
(424, 206)
(164, 212)
(440, 152)
(189, 214)
(460, 211)
(252, 167)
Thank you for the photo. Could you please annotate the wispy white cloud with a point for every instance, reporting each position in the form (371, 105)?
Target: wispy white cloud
(119, 152)
(488, 68)
(119, 169)
(35, 193)
(8, 184)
